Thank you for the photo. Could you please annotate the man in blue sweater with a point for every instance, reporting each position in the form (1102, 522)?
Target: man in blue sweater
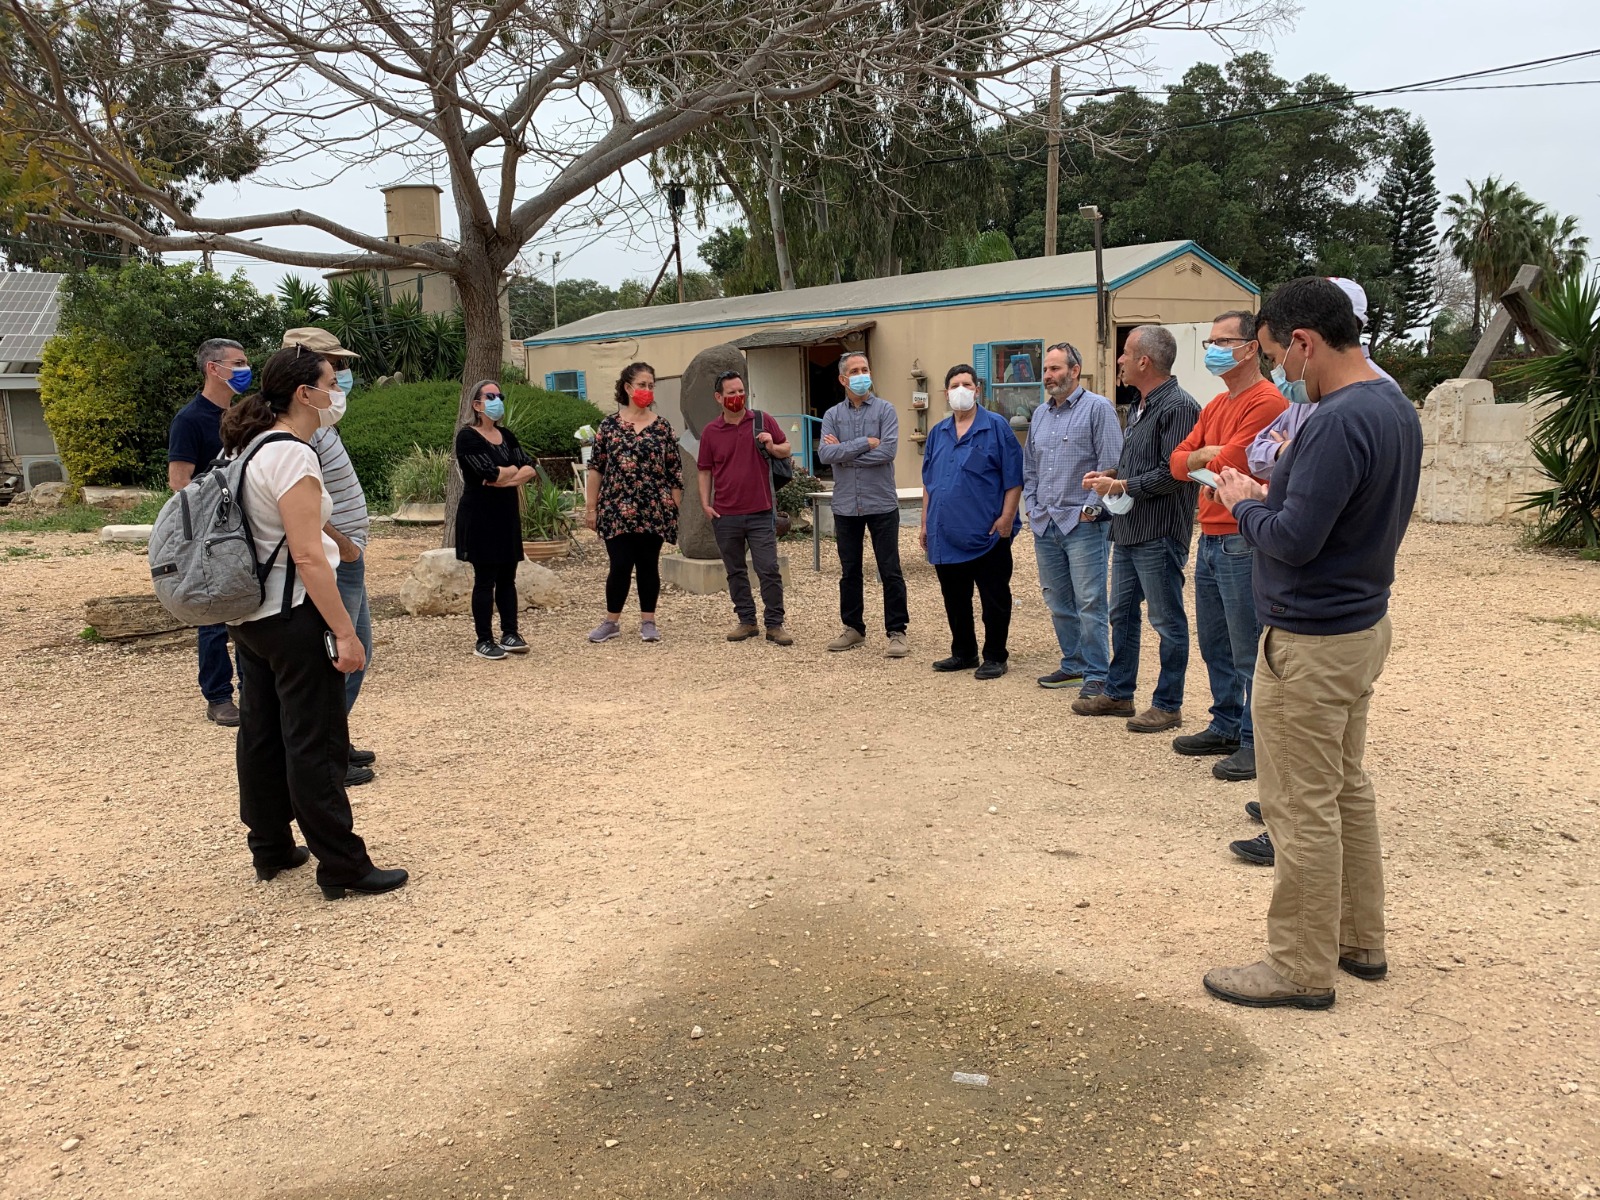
(1325, 533)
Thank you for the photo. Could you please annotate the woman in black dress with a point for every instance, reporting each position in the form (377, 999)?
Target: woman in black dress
(488, 522)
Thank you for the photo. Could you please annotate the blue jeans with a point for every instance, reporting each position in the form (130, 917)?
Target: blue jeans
(352, 578)
(1225, 617)
(216, 664)
(1072, 574)
(1150, 573)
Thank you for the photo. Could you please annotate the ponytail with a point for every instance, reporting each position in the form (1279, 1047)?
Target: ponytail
(286, 372)
(244, 421)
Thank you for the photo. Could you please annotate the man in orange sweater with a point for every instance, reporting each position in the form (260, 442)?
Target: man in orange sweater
(1225, 609)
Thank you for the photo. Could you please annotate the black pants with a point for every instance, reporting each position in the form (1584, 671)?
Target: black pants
(630, 553)
(991, 573)
(755, 533)
(293, 746)
(885, 531)
(494, 585)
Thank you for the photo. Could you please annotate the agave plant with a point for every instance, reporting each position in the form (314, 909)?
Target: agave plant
(547, 511)
(303, 303)
(1567, 439)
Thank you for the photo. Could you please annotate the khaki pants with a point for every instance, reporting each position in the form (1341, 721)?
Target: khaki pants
(1310, 706)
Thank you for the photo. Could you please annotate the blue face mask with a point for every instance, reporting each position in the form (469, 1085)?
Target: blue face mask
(345, 380)
(239, 379)
(1220, 360)
(861, 384)
(1294, 393)
(494, 408)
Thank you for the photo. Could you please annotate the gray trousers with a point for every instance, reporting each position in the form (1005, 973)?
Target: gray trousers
(755, 532)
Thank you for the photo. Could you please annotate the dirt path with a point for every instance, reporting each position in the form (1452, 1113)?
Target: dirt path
(796, 852)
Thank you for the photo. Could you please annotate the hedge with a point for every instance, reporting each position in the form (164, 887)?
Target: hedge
(104, 423)
(382, 424)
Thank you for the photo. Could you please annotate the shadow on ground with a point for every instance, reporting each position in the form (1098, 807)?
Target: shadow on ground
(803, 1057)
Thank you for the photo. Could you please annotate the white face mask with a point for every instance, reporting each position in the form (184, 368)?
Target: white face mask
(961, 399)
(1118, 506)
(334, 413)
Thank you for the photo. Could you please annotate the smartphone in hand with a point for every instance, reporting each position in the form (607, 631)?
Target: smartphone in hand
(331, 645)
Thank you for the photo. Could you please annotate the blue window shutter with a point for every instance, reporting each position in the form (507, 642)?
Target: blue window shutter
(549, 381)
(980, 361)
(583, 391)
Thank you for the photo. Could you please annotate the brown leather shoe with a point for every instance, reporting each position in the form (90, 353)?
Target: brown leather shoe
(224, 713)
(1363, 964)
(1102, 705)
(1259, 986)
(778, 635)
(1155, 720)
(743, 633)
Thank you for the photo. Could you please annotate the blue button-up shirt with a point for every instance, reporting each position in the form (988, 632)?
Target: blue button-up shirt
(967, 480)
(1066, 441)
(863, 476)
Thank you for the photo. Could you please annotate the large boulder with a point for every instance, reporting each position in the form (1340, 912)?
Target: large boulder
(48, 495)
(441, 585)
(697, 398)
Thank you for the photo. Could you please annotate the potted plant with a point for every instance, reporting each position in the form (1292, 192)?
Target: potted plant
(546, 519)
(417, 485)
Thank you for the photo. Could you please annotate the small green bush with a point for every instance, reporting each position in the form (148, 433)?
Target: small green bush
(103, 422)
(420, 477)
(792, 495)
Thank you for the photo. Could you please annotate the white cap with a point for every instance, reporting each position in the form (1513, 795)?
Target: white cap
(1358, 296)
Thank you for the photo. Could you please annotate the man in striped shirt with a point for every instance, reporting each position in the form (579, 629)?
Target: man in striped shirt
(349, 525)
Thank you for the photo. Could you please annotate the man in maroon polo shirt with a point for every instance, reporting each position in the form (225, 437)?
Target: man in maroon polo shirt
(736, 493)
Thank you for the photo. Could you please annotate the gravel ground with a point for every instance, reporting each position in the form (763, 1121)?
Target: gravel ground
(853, 875)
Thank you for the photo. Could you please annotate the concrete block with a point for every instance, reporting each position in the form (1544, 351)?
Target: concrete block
(125, 533)
(707, 576)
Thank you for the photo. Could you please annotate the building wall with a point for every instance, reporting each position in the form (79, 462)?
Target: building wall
(930, 339)
(1477, 462)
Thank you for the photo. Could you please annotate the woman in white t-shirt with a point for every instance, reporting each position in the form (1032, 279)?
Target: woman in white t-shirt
(295, 650)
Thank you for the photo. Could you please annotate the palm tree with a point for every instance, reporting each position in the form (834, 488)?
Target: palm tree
(1563, 249)
(1491, 234)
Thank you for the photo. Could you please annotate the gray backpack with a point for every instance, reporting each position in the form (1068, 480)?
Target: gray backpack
(202, 553)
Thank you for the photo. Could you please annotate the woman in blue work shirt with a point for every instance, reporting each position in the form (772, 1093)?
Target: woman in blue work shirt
(971, 486)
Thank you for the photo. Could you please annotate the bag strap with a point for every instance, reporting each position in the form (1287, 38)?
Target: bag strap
(265, 569)
(757, 420)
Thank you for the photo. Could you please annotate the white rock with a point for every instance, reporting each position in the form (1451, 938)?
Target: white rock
(993, 809)
(697, 1032)
(441, 585)
(125, 533)
(71, 1144)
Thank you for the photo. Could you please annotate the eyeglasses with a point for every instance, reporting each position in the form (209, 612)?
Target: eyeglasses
(1226, 343)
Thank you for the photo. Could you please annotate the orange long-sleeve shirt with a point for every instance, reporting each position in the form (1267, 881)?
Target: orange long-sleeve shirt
(1231, 422)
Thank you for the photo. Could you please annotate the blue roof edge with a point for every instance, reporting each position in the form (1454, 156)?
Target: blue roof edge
(955, 302)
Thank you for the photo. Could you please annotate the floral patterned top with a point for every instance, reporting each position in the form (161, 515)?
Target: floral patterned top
(638, 473)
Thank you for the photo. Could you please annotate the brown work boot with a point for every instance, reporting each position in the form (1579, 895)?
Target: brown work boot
(1155, 720)
(742, 633)
(1259, 986)
(780, 636)
(1101, 705)
(1363, 964)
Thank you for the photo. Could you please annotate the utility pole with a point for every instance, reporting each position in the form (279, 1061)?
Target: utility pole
(675, 201)
(555, 316)
(1052, 169)
(1091, 212)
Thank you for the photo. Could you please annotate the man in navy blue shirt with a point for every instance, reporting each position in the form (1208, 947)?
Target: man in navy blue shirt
(971, 486)
(193, 443)
(1325, 535)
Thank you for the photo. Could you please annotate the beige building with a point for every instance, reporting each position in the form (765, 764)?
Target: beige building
(999, 317)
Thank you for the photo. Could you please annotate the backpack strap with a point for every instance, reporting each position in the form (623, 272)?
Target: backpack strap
(759, 423)
(265, 569)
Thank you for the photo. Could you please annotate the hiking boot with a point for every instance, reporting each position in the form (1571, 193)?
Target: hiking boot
(1207, 741)
(1259, 986)
(1256, 850)
(1155, 720)
(490, 650)
(897, 647)
(990, 670)
(1363, 964)
(955, 664)
(648, 632)
(1060, 679)
(1238, 766)
(1102, 705)
(224, 713)
(848, 640)
(512, 644)
(743, 633)
(607, 630)
(779, 636)
(1252, 809)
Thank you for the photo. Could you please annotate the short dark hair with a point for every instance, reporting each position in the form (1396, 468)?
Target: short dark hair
(1314, 303)
(727, 375)
(963, 369)
(1246, 319)
(1074, 359)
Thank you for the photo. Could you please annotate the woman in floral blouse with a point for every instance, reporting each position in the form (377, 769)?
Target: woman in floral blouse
(634, 489)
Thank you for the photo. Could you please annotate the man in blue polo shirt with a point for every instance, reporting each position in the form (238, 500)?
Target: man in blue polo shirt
(194, 442)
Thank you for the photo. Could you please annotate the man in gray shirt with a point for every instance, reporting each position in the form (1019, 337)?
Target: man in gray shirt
(859, 437)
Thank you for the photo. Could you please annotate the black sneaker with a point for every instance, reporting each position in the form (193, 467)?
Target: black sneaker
(356, 775)
(1095, 687)
(1237, 767)
(955, 664)
(1252, 809)
(1257, 850)
(1060, 679)
(489, 650)
(1207, 741)
(362, 758)
(990, 670)
(512, 644)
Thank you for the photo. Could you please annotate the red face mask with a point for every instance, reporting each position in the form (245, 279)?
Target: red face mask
(733, 403)
(643, 397)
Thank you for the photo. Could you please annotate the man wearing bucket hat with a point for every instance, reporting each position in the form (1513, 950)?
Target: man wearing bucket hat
(350, 523)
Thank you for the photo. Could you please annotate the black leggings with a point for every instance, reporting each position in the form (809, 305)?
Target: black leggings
(630, 552)
(494, 585)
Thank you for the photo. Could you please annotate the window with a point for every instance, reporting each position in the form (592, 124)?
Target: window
(570, 382)
(1012, 376)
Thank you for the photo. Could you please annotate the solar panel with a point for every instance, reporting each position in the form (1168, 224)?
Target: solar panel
(30, 308)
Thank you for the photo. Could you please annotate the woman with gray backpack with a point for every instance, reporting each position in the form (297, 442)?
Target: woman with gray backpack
(297, 646)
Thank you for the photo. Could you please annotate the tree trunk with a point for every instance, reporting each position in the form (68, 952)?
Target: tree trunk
(780, 228)
(825, 228)
(479, 285)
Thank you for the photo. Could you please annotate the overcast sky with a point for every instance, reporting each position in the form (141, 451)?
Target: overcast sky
(1542, 138)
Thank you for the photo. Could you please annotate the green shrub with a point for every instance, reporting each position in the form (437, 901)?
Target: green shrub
(792, 495)
(104, 424)
(547, 511)
(420, 477)
(544, 421)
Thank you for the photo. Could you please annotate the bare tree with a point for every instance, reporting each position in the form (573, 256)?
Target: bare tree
(532, 107)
